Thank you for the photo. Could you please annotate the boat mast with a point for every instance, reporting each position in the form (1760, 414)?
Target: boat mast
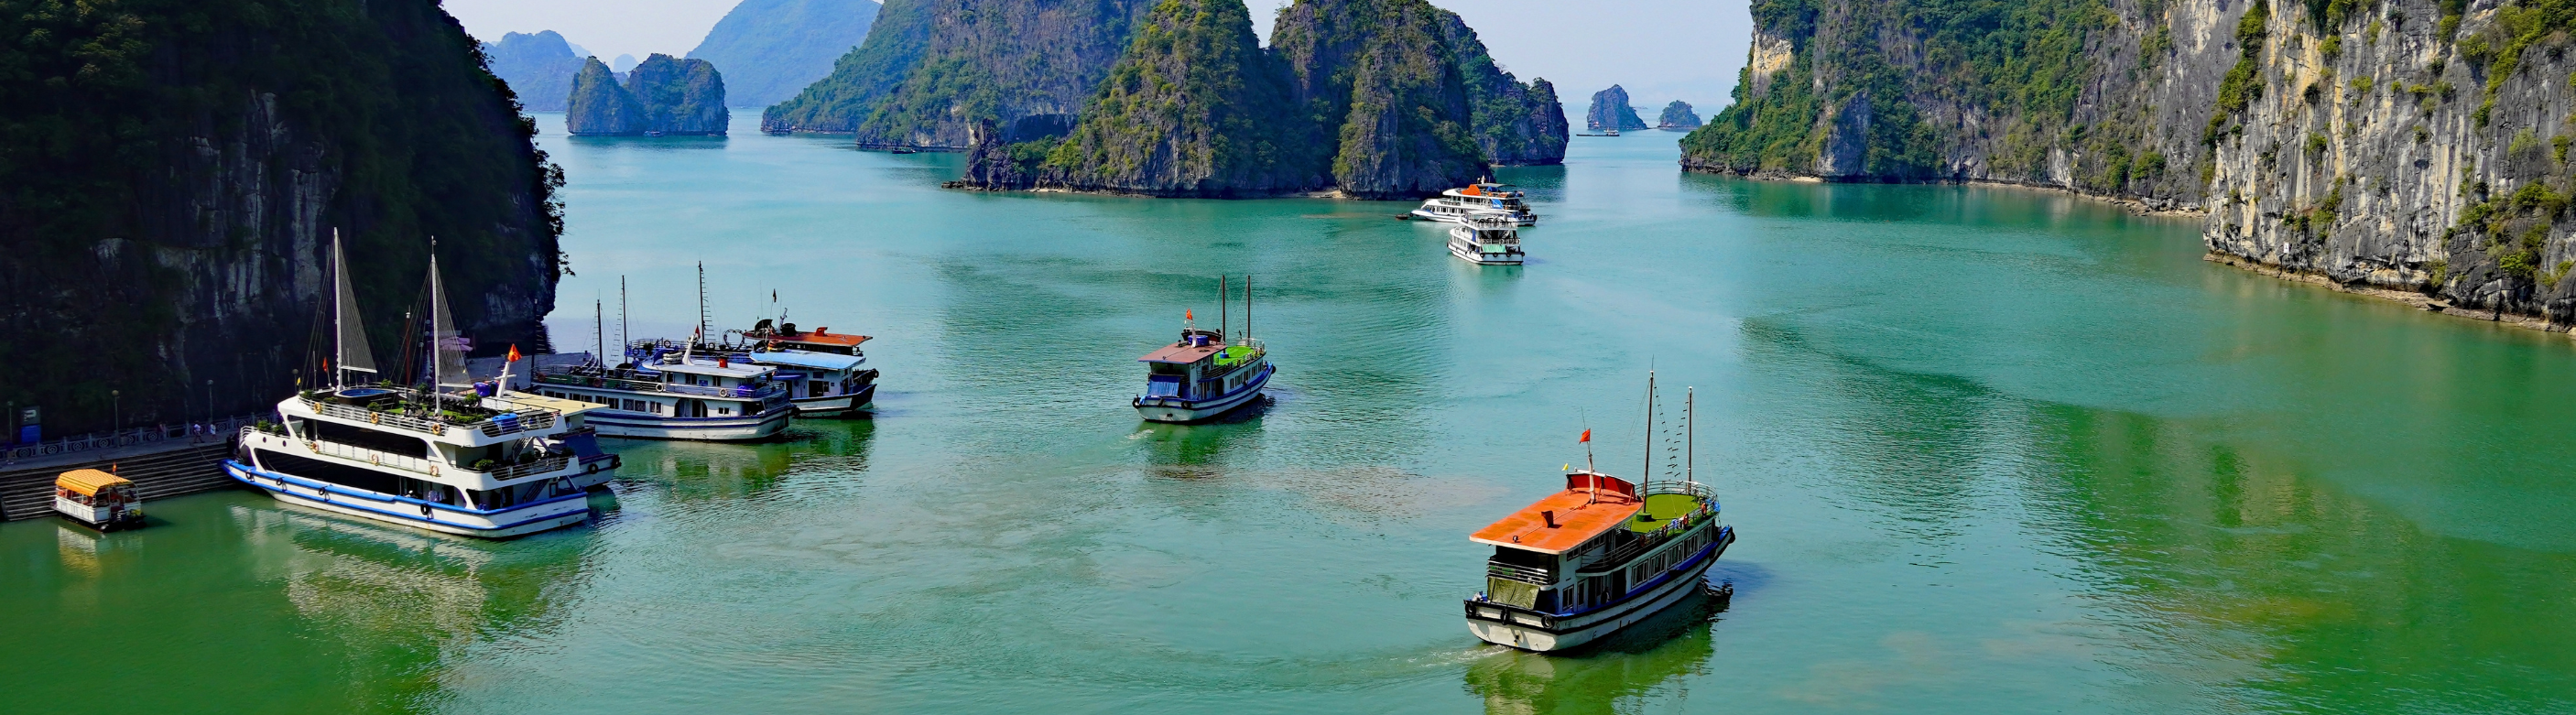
(621, 316)
(1223, 321)
(1690, 434)
(599, 330)
(702, 301)
(339, 321)
(1649, 474)
(1247, 309)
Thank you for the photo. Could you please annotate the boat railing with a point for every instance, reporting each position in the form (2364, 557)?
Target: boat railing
(381, 458)
(506, 423)
(1668, 486)
(619, 383)
(1523, 574)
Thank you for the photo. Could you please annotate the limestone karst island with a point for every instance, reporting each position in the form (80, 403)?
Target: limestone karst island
(1191, 356)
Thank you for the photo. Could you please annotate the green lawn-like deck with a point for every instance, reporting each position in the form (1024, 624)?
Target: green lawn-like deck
(1660, 509)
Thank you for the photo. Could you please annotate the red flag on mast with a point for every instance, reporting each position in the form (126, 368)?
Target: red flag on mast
(514, 352)
(1587, 436)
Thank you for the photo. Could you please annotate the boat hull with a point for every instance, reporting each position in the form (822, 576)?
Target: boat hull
(1175, 410)
(517, 521)
(836, 404)
(637, 425)
(1520, 220)
(1481, 258)
(1528, 630)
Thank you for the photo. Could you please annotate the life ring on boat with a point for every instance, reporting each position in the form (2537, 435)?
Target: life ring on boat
(424, 510)
(376, 459)
(375, 418)
(591, 468)
(433, 470)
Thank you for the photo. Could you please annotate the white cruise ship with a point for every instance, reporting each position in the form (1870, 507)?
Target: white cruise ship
(458, 462)
(682, 397)
(1484, 199)
(1487, 242)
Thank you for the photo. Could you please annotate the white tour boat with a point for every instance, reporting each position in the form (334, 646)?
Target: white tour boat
(1202, 375)
(682, 396)
(821, 384)
(457, 462)
(1599, 556)
(1486, 241)
(1479, 200)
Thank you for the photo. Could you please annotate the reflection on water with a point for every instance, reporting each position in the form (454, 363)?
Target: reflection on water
(401, 602)
(2229, 558)
(1621, 673)
(712, 472)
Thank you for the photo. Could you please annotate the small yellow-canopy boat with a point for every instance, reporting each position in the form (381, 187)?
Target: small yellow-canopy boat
(102, 500)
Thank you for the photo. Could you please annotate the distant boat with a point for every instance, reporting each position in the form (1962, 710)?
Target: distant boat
(905, 150)
(1598, 556)
(1479, 200)
(1203, 375)
(1486, 241)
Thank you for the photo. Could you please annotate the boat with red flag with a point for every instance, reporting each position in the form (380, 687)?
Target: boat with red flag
(1205, 374)
(1598, 556)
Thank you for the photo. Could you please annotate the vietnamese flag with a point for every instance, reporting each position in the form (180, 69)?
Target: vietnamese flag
(514, 352)
(1587, 436)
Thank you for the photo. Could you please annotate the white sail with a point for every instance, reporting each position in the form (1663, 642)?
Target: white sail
(352, 353)
(448, 369)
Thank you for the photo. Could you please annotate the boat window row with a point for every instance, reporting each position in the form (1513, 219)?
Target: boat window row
(363, 479)
(1647, 568)
(355, 436)
(618, 403)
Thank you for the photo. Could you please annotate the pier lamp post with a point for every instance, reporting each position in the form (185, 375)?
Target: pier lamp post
(116, 415)
(210, 403)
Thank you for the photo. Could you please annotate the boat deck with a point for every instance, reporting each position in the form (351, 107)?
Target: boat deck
(1661, 509)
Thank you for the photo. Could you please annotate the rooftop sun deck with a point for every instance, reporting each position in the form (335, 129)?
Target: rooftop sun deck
(1577, 516)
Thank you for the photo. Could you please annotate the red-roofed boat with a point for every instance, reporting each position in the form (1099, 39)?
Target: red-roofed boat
(1596, 557)
(1203, 375)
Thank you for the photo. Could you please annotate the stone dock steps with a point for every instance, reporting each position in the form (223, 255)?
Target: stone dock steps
(29, 493)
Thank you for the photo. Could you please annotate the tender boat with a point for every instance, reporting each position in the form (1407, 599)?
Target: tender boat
(1600, 555)
(1486, 241)
(1203, 375)
(99, 500)
(1477, 200)
(458, 462)
(681, 396)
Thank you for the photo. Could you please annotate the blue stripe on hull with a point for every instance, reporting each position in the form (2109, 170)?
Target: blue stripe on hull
(1196, 410)
(250, 475)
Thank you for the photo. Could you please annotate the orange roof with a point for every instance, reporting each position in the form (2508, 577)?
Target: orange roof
(819, 337)
(1577, 516)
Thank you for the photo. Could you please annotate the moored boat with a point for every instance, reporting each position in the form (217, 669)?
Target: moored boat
(494, 465)
(1598, 556)
(1204, 375)
(1482, 199)
(1486, 241)
(683, 396)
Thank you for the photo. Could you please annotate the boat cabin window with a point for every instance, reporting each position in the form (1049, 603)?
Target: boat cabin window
(321, 471)
(1524, 558)
(356, 436)
(515, 495)
(1166, 368)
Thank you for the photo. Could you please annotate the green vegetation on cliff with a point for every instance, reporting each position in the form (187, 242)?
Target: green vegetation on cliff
(1194, 109)
(932, 69)
(664, 95)
(170, 171)
(2022, 62)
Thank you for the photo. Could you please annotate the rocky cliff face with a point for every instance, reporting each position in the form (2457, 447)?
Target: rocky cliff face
(772, 49)
(1516, 124)
(1678, 115)
(663, 95)
(1194, 109)
(1610, 110)
(599, 107)
(539, 68)
(2407, 144)
(932, 70)
(1367, 98)
(171, 175)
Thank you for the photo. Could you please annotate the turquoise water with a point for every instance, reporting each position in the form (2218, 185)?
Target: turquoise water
(1988, 450)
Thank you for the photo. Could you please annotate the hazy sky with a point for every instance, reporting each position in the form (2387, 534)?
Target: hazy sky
(1660, 50)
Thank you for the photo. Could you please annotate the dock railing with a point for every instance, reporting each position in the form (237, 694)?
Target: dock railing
(173, 435)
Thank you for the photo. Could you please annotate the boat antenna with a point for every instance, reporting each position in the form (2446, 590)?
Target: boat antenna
(1247, 309)
(1223, 321)
(621, 316)
(1690, 434)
